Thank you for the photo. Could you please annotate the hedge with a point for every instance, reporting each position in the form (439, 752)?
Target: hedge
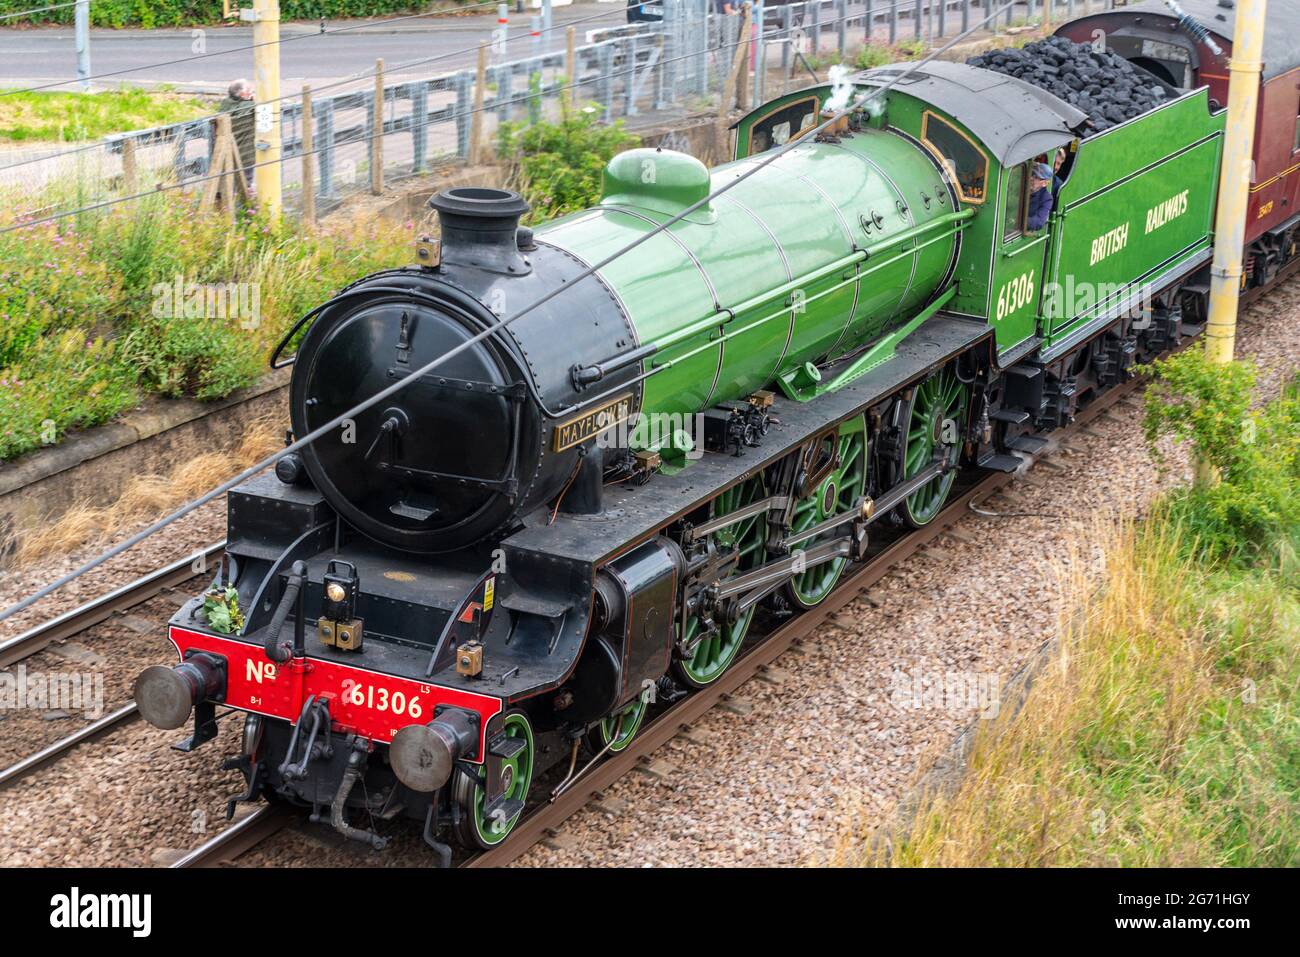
(183, 13)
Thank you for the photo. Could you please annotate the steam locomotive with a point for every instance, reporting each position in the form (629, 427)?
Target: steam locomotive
(504, 567)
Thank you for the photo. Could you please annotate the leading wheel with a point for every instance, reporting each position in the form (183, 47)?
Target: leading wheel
(476, 828)
(835, 494)
(932, 421)
(715, 650)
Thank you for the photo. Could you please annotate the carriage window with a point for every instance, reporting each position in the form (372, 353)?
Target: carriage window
(777, 127)
(965, 161)
(1015, 220)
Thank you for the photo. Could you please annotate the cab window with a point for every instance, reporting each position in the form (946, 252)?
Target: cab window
(781, 124)
(965, 161)
(1015, 206)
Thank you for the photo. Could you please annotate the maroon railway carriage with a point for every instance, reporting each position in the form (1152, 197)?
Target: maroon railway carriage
(1148, 34)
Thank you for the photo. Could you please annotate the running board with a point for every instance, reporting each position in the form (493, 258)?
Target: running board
(805, 383)
(996, 462)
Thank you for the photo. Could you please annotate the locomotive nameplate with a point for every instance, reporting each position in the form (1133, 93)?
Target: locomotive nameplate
(578, 430)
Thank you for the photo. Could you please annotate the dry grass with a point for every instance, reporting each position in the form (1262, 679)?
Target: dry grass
(146, 498)
(1163, 733)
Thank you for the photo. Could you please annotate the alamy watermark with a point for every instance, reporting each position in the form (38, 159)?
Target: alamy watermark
(657, 430)
(1082, 298)
(179, 299)
(952, 691)
(52, 691)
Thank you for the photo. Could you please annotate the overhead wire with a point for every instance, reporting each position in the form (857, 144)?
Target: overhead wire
(349, 415)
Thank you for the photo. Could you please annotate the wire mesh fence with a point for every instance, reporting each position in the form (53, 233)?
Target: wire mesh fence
(677, 64)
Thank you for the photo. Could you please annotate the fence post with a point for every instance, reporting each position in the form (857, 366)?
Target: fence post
(742, 43)
(571, 66)
(815, 28)
(325, 167)
(785, 37)
(419, 124)
(916, 17)
(535, 75)
(502, 34)
(82, 27)
(178, 155)
(760, 51)
(464, 112)
(308, 161)
(893, 22)
(734, 79)
(943, 18)
(504, 80)
(868, 15)
(219, 181)
(475, 156)
(128, 166)
(607, 79)
(629, 78)
(377, 131)
(841, 28)
(965, 15)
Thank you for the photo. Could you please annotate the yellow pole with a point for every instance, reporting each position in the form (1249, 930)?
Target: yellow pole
(1234, 188)
(266, 79)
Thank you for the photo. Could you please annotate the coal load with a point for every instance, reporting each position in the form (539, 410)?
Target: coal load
(1105, 86)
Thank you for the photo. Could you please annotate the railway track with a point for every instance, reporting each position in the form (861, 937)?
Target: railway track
(115, 602)
(78, 620)
(544, 820)
(244, 834)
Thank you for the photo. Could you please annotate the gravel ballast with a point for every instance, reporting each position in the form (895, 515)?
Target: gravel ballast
(834, 739)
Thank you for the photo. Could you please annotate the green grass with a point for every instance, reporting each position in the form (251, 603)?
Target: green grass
(45, 116)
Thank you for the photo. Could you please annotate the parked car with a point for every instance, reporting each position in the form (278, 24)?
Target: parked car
(645, 12)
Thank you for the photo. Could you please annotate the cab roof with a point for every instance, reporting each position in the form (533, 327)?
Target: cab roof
(1015, 120)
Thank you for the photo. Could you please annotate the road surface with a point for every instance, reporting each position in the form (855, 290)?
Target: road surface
(37, 56)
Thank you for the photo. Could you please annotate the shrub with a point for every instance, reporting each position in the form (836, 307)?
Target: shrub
(172, 13)
(558, 166)
(90, 319)
(1255, 453)
(50, 282)
(62, 382)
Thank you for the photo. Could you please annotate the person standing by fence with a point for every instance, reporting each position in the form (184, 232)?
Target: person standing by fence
(239, 103)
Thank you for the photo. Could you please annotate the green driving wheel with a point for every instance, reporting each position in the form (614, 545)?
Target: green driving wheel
(934, 419)
(477, 829)
(714, 651)
(617, 731)
(834, 495)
